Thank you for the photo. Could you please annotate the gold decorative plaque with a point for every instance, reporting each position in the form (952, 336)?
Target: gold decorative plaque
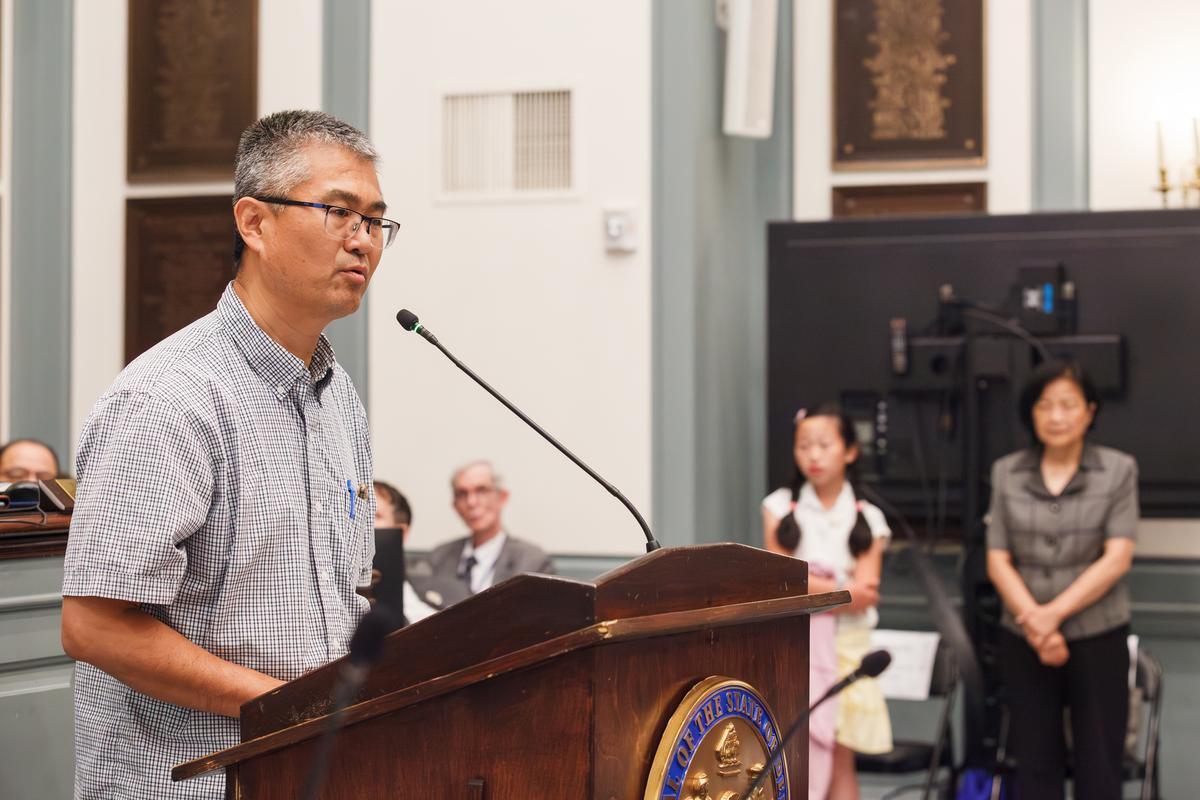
(716, 744)
(908, 83)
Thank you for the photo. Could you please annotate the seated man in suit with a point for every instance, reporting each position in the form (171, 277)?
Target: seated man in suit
(489, 555)
(393, 517)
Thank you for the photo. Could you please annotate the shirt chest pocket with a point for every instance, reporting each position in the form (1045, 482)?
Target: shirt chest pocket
(348, 508)
(350, 512)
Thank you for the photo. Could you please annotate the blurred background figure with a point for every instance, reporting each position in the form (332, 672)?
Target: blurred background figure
(820, 519)
(393, 521)
(489, 554)
(27, 460)
(1060, 536)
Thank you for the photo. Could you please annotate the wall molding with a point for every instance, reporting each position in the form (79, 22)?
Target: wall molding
(39, 323)
(1060, 105)
(345, 93)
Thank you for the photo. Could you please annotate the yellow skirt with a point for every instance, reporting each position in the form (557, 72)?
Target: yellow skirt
(863, 724)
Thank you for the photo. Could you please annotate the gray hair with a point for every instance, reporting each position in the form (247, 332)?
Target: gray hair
(270, 155)
(497, 478)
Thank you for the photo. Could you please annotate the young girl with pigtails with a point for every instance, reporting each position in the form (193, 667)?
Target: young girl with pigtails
(819, 519)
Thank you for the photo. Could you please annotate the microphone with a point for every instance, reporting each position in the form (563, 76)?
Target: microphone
(408, 320)
(872, 666)
(366, 648)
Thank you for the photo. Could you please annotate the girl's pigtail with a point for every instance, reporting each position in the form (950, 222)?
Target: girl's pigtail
(788, 532)
(861, 537)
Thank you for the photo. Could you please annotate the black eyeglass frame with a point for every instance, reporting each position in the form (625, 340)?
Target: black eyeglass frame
(389, 227)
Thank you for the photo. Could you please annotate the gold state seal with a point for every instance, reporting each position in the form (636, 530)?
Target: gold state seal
(715, 745)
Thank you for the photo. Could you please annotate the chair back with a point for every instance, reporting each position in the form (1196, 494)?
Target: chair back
(945, 671)
(1149, 676)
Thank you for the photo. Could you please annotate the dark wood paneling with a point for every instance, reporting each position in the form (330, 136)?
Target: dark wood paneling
(32, 536)
(178, 258)
(916, 199)
(193, 86)
(526, 735)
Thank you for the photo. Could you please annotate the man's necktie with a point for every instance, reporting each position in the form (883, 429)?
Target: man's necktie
(464, 571)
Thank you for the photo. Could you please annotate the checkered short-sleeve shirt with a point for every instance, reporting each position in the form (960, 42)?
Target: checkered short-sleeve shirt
(225, 487)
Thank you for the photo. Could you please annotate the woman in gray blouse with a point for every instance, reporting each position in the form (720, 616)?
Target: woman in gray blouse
(1061, 528)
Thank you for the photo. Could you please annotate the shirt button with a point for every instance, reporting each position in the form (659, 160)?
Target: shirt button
(1055, 508)
(319, 507)
(281, 390)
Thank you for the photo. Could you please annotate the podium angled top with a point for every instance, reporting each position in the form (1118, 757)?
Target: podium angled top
(530, 619)
(679, 578)
(526, 610)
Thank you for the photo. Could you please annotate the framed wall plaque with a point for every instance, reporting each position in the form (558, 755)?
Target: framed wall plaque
(178, 258)
(921, 199)
(193, 86)
(909, 84)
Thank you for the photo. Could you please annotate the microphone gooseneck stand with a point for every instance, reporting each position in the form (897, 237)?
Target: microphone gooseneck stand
(366, 648)
(408, 320)
(871, 666)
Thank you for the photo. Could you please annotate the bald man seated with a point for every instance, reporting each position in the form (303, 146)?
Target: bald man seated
(27, 460)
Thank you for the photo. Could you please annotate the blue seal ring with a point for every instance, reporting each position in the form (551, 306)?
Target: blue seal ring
(710, 702)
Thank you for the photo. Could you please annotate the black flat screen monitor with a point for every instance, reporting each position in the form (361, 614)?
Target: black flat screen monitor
(389, 560)
(835, 288)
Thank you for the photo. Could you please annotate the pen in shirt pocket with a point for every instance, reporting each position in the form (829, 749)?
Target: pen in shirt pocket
(353, 496)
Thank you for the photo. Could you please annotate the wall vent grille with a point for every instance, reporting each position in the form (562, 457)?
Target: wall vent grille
(506, 144)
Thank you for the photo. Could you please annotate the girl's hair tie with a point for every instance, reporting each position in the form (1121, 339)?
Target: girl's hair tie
(800, 415)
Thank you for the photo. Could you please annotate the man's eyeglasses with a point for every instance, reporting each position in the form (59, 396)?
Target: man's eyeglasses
(14, 474)
(481, 492)
(342, 223)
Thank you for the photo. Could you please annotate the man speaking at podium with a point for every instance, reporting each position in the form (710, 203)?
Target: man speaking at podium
(224, 512)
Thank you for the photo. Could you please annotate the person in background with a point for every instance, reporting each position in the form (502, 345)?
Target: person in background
(819, 519)
(393, 513)
(27, 460)
(488, 555)
(1061, 528)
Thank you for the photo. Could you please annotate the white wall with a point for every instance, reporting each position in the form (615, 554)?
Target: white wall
(289, 76)
(1143, 69)
(522, 291)
(1008, 114)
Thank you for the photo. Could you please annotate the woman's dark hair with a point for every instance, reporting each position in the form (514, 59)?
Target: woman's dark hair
(1046, 374)
(788, 533)
(403, 512)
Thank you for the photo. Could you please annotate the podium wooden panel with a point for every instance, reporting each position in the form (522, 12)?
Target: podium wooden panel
(543, 687)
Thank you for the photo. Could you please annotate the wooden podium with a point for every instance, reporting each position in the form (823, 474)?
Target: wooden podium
(543, 687)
